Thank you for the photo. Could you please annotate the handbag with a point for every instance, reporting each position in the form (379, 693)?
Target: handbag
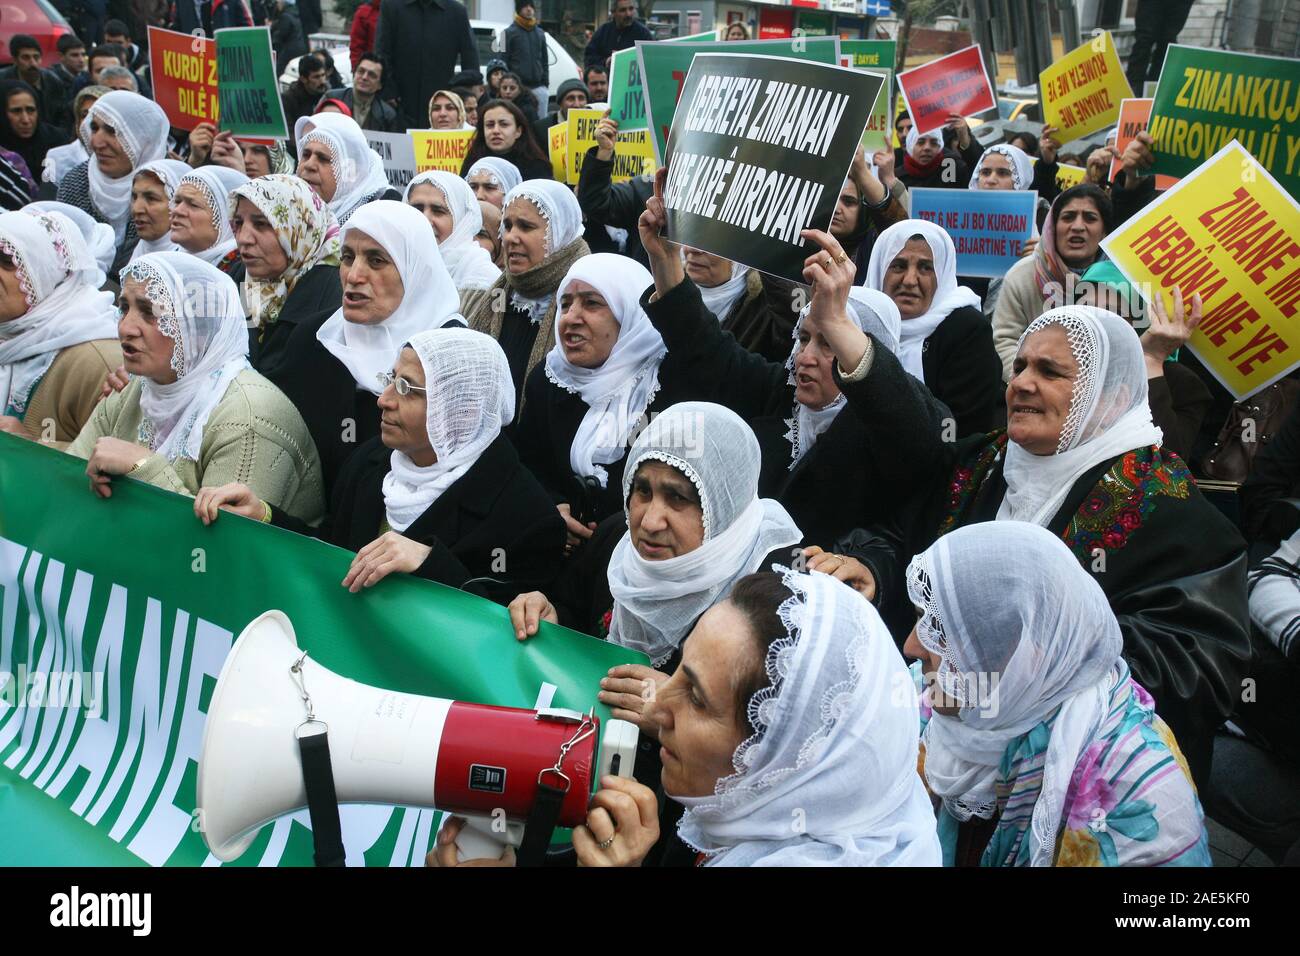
(1251, 424)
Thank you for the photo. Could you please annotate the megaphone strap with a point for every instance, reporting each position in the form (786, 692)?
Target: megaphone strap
(545, 812)
(322, 802)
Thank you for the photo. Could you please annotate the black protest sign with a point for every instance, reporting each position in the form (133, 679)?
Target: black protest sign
(758, 151)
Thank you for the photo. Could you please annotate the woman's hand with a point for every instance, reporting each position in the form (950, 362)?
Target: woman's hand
(842, 568)
(226, 152)
(444, 850)
(622, 825)
(528, 610)
(201, 140)
(578, 532)
(957, 123)
(1168, 332)
(12, 426)
(1099, 164)
(1047, 144)
(629, 691)
(871, 188)
(388, 553)
(1138, 156)
(112, 456)
(884, 160)
(665, 262)
(234, 497)
(606, 137)
(1028, 248)
(115, 381)
(830, 272)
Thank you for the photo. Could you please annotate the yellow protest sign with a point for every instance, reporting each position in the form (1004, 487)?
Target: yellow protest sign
(443, 149)
(1067, 176)
(557, 138)
(581, 137)
(1229, 232)
(1081, 92)
(634, 155)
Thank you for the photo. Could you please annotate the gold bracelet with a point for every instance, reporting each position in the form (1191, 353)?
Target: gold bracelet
(266, 513)
(139, 464)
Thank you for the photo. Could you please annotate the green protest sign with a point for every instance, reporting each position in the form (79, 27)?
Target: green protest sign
(247, 85)
(115, 619)
(664, 67)
(875, 56)
(870, 54)
(1207, 98)
(626, 97)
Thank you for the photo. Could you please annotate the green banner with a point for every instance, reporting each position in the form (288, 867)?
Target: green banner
(247, 86)
(116, 616)
(626, 97)
(870, 54)
(664, 68)
(876, 56)
(1207, 98)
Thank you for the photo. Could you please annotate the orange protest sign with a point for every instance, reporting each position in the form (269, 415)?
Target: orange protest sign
(1134, 114)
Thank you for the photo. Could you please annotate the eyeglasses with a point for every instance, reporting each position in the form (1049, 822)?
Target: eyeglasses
(403, 387)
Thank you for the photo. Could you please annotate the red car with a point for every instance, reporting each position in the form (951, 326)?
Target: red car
(36, 18)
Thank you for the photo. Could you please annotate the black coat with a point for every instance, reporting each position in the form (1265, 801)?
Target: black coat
(609, 39)
(526, 55)
(493, 522)
(964, 372)
(319, 385)
(607, 203)
(1274, 475)
(855, 472)
(382, 118)
(419, 42)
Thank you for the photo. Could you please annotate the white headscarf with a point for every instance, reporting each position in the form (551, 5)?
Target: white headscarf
(834, 749)
(503, 172)
(358, 170)
(914, 137)
(470, 265)
(470, 397)
(141, 127)
(97, 236)
(620, 389)
(657, 602)
(947, 294)
(429, 300)
(64, 307)
(557, 205)
(1022, 167)
(1109, 413)
(1021, 629)
(169, 172)
(196, 306)
(215, 183)
(874, 313)
(720, 298)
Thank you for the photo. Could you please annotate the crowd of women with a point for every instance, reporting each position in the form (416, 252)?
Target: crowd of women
(780, 494)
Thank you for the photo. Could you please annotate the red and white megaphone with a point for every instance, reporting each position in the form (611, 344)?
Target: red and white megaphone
(385, 747)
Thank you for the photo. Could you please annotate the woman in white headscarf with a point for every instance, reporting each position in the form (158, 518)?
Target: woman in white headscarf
(1035, 730)
(58, 333)
(151, 199)
(125, 131)
(200, 217)
(98, 236)
(194, 411)
(336, 161)
(452, 209)
(1082, 458)
(441, 490)
(492, 177)
(394, 286)
(756, 308)
(946, 341)
(541, 238)
(1014, 170)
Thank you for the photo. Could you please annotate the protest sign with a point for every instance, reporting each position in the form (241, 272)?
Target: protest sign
(633, 152)
(440, 148)
(109, 657)
(988, 226)
(634, 155)
(664, 67)
(398, 154)
(758, 152)
(1067, 176)
(1206, 98)
(1133, 117)
(1081, 92)
(557, 137)
(579, 137)
(184, 72)
(247, 83)
(870, 54)
(956, 83)
(626, 95)
(1231, 233)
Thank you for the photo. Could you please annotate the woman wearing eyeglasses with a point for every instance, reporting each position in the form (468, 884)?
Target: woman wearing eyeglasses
(441, 492)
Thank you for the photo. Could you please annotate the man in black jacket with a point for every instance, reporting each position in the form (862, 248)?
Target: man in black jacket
(26, 53)
(362, 98)
(621, 31)
(302, 97)
(419, 42)
(526, 54)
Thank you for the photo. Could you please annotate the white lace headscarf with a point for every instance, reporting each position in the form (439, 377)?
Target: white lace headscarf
(1109, 412)
(829, 776)
(56, 275)
(141, 127)
(620, 389)
(358, 170)
(504, 174)
(470, 265)
(1022, 167)
(470, 397)
(215, 184)
(1021, 629)
(429, 299)
(559, 209)
(197, 306)
(169, 172)
(657, 602)
(720, 298)
(874, 313)
(95, 235)
(948, 295)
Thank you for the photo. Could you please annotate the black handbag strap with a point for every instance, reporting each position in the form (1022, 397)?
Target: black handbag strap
(322, 802)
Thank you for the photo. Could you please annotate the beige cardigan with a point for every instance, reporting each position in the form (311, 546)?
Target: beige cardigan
(65, 397)
(254, 436)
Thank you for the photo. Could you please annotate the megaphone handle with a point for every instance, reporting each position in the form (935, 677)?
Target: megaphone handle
(542, 818)
(322, 802)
